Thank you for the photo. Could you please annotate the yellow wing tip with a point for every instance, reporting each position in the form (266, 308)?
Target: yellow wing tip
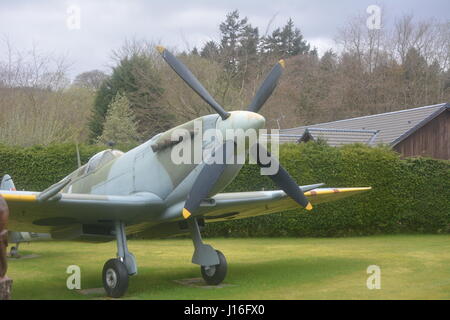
(186, 213)
(309, 206)
(357, 189)
(317, 192)
(282, 63)
(18, 197)
(160, 49)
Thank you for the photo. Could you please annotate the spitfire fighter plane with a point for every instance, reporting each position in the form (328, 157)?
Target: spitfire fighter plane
(144, 192)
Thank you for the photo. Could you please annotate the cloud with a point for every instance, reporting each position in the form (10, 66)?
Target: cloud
(106, 24)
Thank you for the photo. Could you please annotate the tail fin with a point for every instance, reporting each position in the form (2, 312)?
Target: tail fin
(7, 183)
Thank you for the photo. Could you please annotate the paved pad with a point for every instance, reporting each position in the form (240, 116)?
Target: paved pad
(26, 256)
(200, 283)
(91, 291)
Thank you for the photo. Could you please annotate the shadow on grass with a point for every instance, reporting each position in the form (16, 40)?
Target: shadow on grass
(255, 280)
(246, 278)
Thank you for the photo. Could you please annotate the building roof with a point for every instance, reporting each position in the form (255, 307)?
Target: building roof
(384, 128)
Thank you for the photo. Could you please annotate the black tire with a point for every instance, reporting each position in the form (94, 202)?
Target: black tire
(115, 278)
(14, 252)
(216, 274)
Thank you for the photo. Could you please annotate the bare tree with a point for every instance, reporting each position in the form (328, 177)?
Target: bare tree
(37, 107)
(90, 79)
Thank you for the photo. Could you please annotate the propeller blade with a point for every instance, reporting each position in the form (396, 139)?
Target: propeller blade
(284, 180)
(267, 87)
(206, 180)
(191, 80)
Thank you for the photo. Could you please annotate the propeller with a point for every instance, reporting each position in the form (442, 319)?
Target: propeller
(192, 81)
(267, 87)
(206, 180)
(283, 179)
(210, 173)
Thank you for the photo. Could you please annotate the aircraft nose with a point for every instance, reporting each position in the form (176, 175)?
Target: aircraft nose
(247, 120)
(256, 120)
(241, 120)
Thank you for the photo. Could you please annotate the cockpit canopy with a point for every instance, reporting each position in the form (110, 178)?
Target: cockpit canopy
(95, 162)
(102, 158)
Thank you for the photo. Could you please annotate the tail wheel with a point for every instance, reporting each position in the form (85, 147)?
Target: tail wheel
(14, 252)
(214, 275)
(115, 278)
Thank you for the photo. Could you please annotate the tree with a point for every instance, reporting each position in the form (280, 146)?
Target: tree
(194, 51)
(328, 62)
(249, 41)
(36, 106)
(120, 125)
(286, 42)
(90, 80)
(239, 41)
(210, 51)
(183, 102)
(138, 77)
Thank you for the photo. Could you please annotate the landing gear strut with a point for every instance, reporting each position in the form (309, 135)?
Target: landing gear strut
(213, 264)
(116, 271)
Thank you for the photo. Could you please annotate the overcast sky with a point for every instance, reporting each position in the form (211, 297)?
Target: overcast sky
(104, 25)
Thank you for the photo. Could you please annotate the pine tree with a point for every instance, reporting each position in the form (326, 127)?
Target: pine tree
(328, 62)
(286, 41)
(239, 41)
(194, 51)
(210, 51)
(249, 41)
(120, 125)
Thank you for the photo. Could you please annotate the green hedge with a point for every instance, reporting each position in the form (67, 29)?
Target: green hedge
(37, 168)
(411, 195)
(408, 196)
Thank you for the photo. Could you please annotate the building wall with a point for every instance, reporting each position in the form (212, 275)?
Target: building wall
(432, 140)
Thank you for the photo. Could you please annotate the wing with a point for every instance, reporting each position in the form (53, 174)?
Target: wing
(227, 206)
(29, 213)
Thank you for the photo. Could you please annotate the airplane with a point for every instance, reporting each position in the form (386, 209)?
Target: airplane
(143, 192)
(19, 237)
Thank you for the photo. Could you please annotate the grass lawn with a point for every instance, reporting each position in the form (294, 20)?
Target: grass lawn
(412, 267)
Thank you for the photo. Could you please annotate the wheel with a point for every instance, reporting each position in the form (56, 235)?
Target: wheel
(214, 275)
(115, 278)
(14, 252)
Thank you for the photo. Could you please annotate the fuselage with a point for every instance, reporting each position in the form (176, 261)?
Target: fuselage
(151, 168)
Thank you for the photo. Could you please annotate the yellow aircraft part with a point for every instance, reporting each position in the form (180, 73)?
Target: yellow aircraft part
(336, 190)
(186, 213)
(18, 197)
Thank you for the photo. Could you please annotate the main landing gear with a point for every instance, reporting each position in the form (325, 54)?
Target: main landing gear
(213, 265)
(116, 271)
